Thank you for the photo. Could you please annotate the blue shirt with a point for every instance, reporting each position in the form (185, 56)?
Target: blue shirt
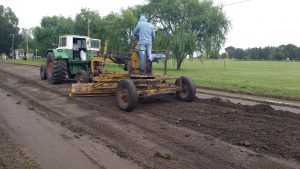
(145, 31)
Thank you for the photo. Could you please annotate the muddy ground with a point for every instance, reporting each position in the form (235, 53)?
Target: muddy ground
(160, 133)
(11, 154)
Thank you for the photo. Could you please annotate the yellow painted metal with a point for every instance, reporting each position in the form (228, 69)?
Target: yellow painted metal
(162, 89)
(110, 77)
(135, 62)
(105, 84)
(93, 89)
(96, 61)
(105, 48)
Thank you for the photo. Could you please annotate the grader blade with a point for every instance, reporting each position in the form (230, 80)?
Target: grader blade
(91, 89)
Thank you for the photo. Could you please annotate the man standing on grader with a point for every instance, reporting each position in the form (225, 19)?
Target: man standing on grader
(129, 87)
(146, 34)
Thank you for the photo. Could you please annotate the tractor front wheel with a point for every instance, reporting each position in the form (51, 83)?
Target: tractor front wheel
(43, 74)
(126, 95)
(56, 69)
(187, 89)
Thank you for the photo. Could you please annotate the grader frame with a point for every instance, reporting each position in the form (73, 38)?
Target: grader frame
(133, 85)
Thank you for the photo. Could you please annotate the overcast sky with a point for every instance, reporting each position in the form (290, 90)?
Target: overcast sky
(256, 23)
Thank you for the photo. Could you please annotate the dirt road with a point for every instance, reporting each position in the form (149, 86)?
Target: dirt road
(57, 131)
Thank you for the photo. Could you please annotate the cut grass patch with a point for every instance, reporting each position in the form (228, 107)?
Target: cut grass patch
(37, 62)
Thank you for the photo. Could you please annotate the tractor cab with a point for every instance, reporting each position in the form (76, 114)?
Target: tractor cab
(94, 46)
(79, 48)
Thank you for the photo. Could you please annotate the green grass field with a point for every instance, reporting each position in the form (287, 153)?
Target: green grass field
(26, 62)
(258, 77)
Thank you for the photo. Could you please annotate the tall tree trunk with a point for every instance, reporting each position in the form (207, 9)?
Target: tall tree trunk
(179, 62)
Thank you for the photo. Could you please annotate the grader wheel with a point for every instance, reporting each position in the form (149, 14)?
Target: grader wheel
(82, 77)
(187, 88)
(126, 95)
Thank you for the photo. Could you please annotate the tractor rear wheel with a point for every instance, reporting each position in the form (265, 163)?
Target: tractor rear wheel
(82, 77)
(56, 69)
(126, 95)
(187, 89)
(43, 74)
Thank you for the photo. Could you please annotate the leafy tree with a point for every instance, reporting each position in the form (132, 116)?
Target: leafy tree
(267, 53)
(182, 44)
(231, 52)
(46, 36)
(8, 26)
(291, 51)
(26, 39)
(297, 54)
(112, 31)
(211, 25)
(201, 25)
(278, 55)
(83, 19)
(118, 29)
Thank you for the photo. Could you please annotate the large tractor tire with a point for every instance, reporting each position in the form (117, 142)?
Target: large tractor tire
(56, 69)
(71, 76)
(126, 95)
(43, 74)
(187, 88)
(82, 77)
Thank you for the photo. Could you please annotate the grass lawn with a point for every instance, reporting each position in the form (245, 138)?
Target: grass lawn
(258, 77)
(38, 62)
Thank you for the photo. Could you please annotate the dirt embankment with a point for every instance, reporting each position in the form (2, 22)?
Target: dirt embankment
(260, 127)
(164, 132)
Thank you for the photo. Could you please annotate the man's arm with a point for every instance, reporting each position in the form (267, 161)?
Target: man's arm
(153, 34)
(136, 30)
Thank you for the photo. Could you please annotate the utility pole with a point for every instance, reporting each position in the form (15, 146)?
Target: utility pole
(89, 21)
(12, 45)
(27, 36)
(36, 53)
(27, 41)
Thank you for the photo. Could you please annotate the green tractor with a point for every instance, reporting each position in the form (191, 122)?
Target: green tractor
(71, 59)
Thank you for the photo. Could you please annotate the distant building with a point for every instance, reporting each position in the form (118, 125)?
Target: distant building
(3, 57)
(20, 54)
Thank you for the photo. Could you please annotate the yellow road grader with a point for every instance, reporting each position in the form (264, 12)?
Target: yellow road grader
(129, 87)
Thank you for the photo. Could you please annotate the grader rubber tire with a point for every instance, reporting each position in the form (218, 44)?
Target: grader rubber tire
(56, 69)
(187, 90)
(71, 76)
(126, 95)
(82, 77)
(43, 74)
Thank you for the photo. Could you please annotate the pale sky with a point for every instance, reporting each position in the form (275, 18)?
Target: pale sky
(256, 23)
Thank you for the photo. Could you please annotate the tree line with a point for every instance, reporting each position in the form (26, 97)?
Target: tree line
(182, 26)
(9, 30)
(282, 52)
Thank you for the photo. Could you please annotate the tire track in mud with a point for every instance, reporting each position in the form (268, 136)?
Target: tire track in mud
(278, 135)
(54, 114)
(187, 153)
(75, 126)
(13, 155)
